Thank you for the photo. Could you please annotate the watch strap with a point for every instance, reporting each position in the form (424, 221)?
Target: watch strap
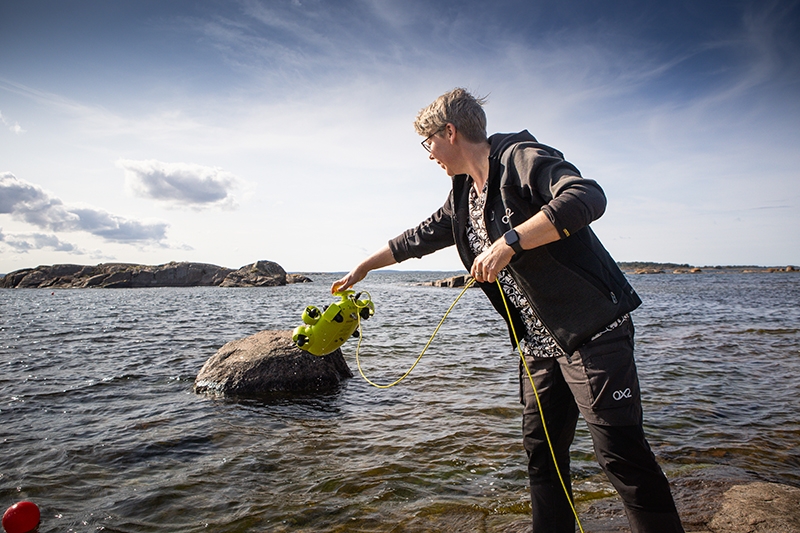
(512, 239)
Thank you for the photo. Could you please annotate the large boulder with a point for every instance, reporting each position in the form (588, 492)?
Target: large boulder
(259, 274)
(269, 362)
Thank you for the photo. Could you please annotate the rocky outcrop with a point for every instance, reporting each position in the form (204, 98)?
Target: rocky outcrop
(259, 274)
(269, 362)
(126, 275)
(455, 281)
(298, 278)
(648, 271)
(117, 275)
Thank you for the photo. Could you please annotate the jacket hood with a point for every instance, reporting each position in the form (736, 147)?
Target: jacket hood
(501, 141)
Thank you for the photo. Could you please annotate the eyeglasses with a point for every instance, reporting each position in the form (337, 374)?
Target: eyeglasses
(425, 144)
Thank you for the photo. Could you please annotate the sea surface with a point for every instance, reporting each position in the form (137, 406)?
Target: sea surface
(100, 427)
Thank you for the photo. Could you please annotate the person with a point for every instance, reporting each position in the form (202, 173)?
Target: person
(518, 212)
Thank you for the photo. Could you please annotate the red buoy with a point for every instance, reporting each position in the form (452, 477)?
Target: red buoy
(22, 517)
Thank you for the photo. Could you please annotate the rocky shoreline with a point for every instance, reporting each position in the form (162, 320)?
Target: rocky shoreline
(709, 498)
(129, 276)
(712, 499)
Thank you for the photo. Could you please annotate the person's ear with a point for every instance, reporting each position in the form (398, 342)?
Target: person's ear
(450, 133)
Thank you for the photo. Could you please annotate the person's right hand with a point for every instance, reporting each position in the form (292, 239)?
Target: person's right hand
(353, 277)
(379, 259)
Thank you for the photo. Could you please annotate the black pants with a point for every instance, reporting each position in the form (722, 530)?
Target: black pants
(599, 381)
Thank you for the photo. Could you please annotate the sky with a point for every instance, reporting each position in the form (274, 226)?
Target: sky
(228, 132)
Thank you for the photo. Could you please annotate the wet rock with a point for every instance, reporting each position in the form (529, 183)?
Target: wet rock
(759, 508)
(455, 518)
(716, 499)
(269, 362)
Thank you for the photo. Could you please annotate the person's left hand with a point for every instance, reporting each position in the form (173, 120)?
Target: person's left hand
(491, 261)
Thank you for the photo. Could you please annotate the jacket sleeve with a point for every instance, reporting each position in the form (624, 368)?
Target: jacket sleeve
(571, 202)
(434, 233)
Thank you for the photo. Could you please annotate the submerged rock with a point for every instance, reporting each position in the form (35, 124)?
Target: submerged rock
(269, 362)
(710, 499)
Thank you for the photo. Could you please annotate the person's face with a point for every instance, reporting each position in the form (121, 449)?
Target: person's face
(441, 149)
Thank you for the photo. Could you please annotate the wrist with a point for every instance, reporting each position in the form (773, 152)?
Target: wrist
(511, 238)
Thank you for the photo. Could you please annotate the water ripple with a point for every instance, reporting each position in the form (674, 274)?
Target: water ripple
(102, 429)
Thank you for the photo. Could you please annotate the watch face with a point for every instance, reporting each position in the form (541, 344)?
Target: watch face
(512, 239)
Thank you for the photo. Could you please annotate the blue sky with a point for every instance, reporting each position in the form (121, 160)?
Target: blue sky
(231, 131)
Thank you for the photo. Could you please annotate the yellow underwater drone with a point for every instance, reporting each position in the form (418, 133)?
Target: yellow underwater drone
(325, 331)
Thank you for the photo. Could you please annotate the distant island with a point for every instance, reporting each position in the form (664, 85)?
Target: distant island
(260, 274)
(644, 267)
(641, 267)
(128, 276)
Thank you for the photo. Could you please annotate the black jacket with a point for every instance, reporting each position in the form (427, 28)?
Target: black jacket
(573, 284)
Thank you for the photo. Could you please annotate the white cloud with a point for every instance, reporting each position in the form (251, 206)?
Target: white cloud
(22, 243)
(15, 127)
(29, 203)
(182, 184)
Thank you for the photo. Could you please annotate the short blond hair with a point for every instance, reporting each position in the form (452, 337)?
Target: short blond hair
(457, 107)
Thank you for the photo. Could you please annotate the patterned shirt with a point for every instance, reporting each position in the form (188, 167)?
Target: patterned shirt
(535, 341)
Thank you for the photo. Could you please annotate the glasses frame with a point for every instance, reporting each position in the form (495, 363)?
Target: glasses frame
(425, 144)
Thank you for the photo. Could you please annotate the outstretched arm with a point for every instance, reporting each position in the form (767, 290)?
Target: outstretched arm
(381, 258)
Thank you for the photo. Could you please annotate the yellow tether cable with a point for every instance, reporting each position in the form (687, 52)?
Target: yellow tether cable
(401, 378)
(541, 411)
(524, 363)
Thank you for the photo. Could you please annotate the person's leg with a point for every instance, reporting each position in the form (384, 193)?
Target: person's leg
(626, 458)
(551, 510)
(603, 379)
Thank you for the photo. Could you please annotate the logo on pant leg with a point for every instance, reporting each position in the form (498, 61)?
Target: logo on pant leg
(620, 394)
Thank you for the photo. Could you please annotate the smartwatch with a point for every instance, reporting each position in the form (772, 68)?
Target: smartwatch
(512, 239)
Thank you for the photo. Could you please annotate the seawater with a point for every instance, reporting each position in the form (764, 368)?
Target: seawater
(101, 428)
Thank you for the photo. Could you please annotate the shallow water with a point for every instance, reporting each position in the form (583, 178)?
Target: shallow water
(102, 430)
